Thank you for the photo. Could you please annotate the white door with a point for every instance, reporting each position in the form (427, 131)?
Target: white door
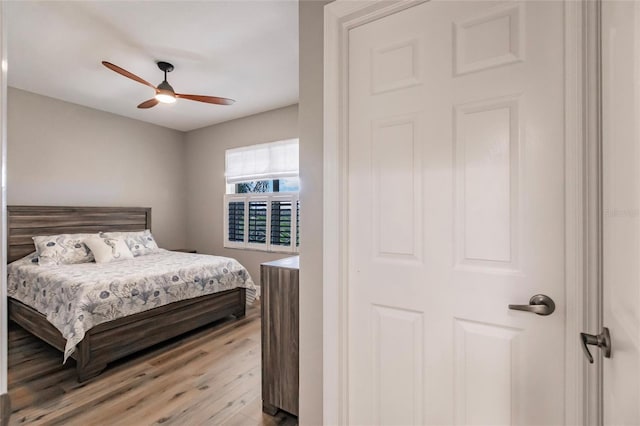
(456, 210)
(621, 218)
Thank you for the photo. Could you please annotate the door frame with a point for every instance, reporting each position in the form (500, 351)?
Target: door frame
(5, 405)
(582, 208)
(592, 214)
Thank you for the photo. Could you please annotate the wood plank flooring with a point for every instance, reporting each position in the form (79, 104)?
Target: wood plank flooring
(208, 377)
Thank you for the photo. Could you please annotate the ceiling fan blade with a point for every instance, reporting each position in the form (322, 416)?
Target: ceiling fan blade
(126, 73)
(148, 104)
(207, 99)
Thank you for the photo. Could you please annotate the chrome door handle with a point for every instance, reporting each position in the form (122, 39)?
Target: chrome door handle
(539, 304)
(602, 340)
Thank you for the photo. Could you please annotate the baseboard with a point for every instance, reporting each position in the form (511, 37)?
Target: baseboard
(5, 409)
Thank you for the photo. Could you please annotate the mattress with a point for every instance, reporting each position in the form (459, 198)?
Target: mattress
(77, 297)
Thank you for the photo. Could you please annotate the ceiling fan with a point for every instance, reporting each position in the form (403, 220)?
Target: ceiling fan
(164, 91)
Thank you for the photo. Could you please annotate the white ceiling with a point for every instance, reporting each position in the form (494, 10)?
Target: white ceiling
(244, 50)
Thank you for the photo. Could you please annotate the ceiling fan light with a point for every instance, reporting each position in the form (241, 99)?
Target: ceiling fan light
(165, 96)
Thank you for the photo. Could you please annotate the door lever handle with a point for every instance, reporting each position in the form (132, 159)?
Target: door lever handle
(602, 340)
(539, 304)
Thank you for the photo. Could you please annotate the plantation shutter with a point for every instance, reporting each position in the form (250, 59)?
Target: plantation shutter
(264, 221)
(236, 221)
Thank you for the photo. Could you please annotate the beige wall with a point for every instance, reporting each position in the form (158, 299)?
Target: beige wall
(206, 183)
(311, 21)
(60, 153)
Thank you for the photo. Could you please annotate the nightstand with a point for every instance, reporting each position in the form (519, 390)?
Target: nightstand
(185, 250)
(280, 319)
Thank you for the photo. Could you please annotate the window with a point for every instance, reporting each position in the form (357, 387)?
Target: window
(262, 208)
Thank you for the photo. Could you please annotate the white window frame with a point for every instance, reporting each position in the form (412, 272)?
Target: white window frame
(269, 197)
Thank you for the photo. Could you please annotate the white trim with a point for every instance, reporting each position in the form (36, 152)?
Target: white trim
(592, 189)
(3, 202)
(575, 169)
(340, 17)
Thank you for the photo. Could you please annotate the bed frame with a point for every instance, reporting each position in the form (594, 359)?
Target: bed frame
(112, 340)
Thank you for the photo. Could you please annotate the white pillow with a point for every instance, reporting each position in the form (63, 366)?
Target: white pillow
(107, 250)
(140, 242)
(62, 249)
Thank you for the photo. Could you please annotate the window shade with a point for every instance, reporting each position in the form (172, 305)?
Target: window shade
(275, 160)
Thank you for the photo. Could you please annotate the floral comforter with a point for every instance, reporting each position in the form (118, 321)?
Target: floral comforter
(77, 297)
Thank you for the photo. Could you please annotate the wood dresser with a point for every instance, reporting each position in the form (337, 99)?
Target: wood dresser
(279, 301)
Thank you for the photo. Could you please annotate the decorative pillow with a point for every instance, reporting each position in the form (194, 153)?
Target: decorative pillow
(62, 249)
(140, 243)
(106, 249)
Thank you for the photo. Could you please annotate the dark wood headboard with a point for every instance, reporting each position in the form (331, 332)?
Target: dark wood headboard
(24, 222)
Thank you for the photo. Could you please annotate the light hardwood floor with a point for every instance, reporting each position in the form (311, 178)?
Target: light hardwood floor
(208, 377)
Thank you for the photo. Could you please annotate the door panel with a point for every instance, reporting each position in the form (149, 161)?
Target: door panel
(456, 210)
(621, 218)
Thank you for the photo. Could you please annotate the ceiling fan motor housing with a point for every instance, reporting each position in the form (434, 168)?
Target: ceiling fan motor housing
(165, 66)
(165, 86)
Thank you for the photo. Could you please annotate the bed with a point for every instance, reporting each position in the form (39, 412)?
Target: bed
(112, 339)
